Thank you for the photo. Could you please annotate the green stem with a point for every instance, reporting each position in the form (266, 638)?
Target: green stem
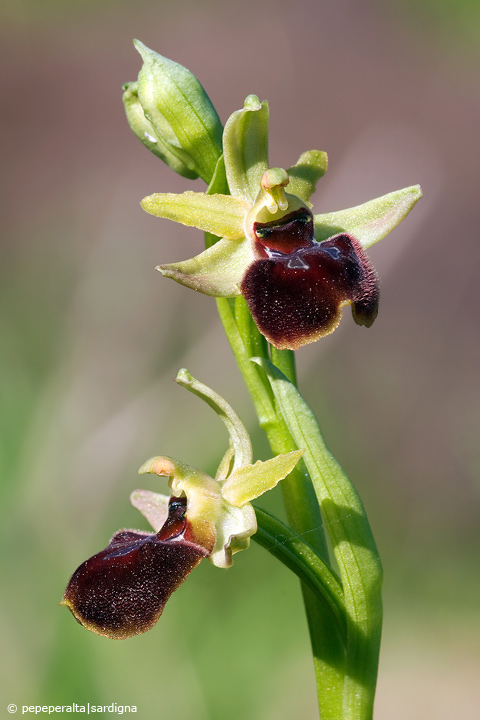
(353, 544)
(301, 504)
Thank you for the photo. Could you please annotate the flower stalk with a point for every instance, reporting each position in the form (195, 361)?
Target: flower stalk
(303, 512)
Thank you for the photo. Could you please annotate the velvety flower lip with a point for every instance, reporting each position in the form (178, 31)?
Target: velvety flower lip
(295, 269)
(122, 590)
(297, 297)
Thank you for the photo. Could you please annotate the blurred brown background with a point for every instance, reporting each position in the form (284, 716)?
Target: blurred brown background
(91, 337)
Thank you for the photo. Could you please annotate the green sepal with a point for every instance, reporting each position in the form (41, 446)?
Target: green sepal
(147, 134)
(180, 110)
(245, 147)
(369, 222)
(307, 171)
(221, 215)
(217, 271)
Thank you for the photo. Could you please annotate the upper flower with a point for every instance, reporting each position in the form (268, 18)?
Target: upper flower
(296, 270)
(122, 590)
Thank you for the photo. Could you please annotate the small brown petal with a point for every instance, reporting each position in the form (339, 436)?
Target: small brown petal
(122, 590)
(297, 297)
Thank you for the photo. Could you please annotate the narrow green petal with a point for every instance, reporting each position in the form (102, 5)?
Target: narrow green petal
(245, 147)
(217, 271)
(371, 221)
(304, 175)
(221, 215)
(239, 437)
(251, 481)
(153, 506)
(176, 470)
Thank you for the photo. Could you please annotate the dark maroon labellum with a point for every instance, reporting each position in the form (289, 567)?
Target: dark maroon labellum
(122, 590)
(297, 297)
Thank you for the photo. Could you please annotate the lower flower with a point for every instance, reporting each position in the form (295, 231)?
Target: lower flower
(122, 590)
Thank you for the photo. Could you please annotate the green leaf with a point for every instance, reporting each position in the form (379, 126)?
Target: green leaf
(180, 110)
(304, 175)
(221, 215)
(352, 542)
(245, 147)
(295, 553)
(217, 271)
(371, 221)
(250, 481)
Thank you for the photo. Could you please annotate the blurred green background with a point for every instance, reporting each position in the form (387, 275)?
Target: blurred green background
(91, 338)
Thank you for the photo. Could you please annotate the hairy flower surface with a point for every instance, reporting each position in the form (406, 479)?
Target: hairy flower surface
(122, 590)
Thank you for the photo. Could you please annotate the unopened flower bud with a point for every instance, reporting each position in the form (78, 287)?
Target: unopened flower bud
(180, 113)
(147, 134)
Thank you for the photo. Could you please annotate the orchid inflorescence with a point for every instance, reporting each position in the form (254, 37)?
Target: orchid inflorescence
(282, 276)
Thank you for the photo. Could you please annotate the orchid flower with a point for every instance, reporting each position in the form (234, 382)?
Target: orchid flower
(295, 269)
(122, 590)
